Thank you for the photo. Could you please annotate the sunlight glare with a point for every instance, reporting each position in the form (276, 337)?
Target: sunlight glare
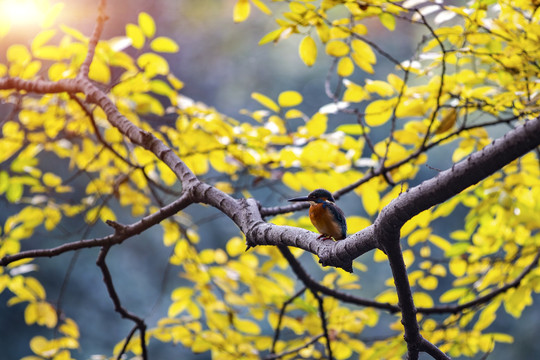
(21, 12)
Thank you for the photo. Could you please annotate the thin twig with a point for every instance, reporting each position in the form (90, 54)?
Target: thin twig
(107, 279)
(324, 324)
(280, 318)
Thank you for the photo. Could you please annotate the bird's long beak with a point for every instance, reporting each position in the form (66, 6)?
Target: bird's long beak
(301, 198)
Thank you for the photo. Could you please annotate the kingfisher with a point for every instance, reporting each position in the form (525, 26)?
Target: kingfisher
(324, 214)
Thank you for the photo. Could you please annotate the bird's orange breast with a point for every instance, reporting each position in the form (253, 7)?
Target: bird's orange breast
(324, 222)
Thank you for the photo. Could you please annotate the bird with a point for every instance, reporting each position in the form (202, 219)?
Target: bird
(325, 215)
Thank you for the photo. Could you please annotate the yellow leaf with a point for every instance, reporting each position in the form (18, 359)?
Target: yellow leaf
(241, 10)
(345, 67)
(271, 36)
(357, 223)
(428, 282)
(389, 296)
(422, 299)
(51, 14)
(198, 163)
(41, 39)
(457, 266)
(360, 29)
(354, 92)
(308, 50)
(379, 111)
(447, 122)
(51, 180)
(31, 70)
(487, 316)
(265, 101)
(419, 235)
(247, 326)
(40, 345)
(323, 32)
(36, 287)
(293, 114)
(370, 198)
(440, 242)
(235, 246)
(136, 35)
(454, 294)
(290, 180)
(63, 355)
(70, 328)
(337, 48)
(408, 257)
(30, 313)
(18, 54)
(289, 98)
(99, 71)
(153, 64)
(164, 44)
(363, 49)
(262, 7)
(316, 126)
(515, 300)
(388, 20)
(147, 24)
(380, 87)
(41, 313)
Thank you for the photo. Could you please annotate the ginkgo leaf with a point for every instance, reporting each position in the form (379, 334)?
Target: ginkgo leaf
(241, 10)
(308, 50)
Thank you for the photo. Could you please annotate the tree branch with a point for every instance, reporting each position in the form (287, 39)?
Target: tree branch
(107, 279)
(122, 233)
